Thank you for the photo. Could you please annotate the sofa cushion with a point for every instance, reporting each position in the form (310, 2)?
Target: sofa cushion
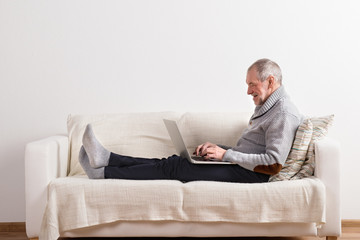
(140, 134)
(145, 135)
(77, 202)
(321, 126)
(219, 128)
(297, 153)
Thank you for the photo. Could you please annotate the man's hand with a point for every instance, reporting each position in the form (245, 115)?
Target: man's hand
(210, 151)
(201, 148)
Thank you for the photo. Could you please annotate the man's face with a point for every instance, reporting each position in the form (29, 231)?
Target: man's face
(259, 90)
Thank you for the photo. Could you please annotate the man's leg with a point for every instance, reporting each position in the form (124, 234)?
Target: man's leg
(177, 168)
(117, 160)
(99, 156)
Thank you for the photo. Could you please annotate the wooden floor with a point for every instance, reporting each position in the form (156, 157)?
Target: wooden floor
(349, 232)
(345, 236)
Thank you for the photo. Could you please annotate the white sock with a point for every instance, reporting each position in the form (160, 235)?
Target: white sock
(98, 155)
(92, 173)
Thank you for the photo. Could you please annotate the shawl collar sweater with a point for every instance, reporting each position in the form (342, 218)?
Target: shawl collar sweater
(266, 143)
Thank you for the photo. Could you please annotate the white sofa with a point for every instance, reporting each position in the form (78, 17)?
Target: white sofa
(61, 201)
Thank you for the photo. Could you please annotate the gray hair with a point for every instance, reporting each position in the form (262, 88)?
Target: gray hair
(265, 68)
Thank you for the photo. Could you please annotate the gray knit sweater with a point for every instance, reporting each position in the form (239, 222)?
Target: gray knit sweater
(265, 144)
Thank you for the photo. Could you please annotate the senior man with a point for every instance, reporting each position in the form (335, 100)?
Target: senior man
(260, 152)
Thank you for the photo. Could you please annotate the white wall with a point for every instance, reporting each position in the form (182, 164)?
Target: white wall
(87, 56)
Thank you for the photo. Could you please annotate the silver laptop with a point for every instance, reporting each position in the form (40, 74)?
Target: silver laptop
(180, 146)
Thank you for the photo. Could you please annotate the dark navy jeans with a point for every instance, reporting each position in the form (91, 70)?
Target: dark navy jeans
(177, 168)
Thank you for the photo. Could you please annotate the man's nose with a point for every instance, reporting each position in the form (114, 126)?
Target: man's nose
(249, 91)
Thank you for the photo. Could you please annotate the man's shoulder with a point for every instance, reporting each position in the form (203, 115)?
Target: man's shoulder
(286, 108)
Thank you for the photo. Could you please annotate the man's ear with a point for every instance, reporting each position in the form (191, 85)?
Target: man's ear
(271, 81)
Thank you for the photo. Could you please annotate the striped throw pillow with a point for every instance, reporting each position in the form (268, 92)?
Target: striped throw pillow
(321, 126)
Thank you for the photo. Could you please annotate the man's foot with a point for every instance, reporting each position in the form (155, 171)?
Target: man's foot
(98, 155)
(92, 173)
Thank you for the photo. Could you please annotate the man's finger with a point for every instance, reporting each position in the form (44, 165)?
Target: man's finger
(197, 150)
(200, 149)
(207, 151)
(210, 156)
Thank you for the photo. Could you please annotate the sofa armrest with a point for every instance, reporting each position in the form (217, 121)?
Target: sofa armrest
(45, 160)
(327, 160)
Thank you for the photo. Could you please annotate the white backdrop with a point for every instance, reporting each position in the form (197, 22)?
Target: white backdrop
(86, 56)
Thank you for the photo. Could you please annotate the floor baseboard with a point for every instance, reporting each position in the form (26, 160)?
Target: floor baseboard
(350, 223)
(12, 227)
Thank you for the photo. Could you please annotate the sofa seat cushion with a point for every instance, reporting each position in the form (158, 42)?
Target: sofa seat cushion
(77, 202)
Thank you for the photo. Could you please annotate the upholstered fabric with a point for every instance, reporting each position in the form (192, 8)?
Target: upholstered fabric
(77, 202)
(224, 129)
(297, 153)
(202, 230)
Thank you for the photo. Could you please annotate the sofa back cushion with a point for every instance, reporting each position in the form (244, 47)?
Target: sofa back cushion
(224, 128)
(145, 135)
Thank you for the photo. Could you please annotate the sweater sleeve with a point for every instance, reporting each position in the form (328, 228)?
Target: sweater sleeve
(279, 136)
